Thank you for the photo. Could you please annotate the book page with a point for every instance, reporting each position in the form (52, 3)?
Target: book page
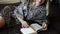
(28, 31)
(36, 26)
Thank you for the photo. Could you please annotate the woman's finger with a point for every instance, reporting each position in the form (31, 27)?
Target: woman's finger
(44, 29)
(44, 25)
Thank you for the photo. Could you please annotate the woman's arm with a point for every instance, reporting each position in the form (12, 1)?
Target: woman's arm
(19, 15)
(24, 23)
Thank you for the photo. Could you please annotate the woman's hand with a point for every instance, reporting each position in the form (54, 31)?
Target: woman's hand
(44, 26)
(25, 24)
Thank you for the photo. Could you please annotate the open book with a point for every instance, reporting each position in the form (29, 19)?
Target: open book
(32, 29)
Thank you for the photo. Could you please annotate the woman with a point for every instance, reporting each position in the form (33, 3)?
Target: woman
(32, 11)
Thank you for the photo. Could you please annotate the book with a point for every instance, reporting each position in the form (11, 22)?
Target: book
(32, 29)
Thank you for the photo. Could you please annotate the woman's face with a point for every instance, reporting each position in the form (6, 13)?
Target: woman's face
(39, 1)
(36, 0)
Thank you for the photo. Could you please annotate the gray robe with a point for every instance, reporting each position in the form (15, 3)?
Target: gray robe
(37, 14)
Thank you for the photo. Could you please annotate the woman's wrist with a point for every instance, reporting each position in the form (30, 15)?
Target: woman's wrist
(21, 20)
